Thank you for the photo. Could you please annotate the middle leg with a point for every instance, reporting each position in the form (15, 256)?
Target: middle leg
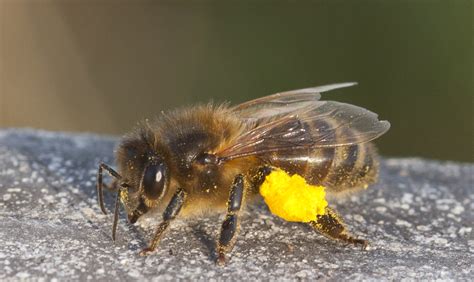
(230, 225)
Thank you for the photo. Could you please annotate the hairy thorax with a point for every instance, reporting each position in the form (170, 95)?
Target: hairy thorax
(188, 139)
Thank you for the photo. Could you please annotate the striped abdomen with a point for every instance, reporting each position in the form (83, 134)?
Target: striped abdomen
(339, 168)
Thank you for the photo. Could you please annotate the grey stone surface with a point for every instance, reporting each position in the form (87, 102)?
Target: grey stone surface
(418, 218)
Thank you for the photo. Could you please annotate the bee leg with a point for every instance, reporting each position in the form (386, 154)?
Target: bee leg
(260, 176)
(331, 225)
(230, 224)
(170, 213)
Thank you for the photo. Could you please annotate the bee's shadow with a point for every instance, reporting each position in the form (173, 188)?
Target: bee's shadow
(206, 239)
(138, 234)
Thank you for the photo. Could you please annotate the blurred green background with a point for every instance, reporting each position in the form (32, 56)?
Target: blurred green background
(100, 66)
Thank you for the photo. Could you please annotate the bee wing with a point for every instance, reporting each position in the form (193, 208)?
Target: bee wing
(320, 124)
(283, 103)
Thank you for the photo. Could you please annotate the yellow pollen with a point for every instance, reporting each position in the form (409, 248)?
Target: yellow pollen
(291, 198)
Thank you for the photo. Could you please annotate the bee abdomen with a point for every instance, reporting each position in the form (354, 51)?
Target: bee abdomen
(338, 168)
(345, 167)
(354, 166)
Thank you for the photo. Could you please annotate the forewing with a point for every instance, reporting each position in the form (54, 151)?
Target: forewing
(283, 103)
(321, 124)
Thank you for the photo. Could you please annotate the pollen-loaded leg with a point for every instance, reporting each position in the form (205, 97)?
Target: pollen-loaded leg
(170, 213)
(331, 225)
(231, 222)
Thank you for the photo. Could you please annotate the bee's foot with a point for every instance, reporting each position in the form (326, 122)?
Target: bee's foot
(362, 243)
(147, 251)
(221, 260)
(365, 244)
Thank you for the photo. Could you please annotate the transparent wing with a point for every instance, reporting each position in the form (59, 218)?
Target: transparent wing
(320, 124)
(283, 103)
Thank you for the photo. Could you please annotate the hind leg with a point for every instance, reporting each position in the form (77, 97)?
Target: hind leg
(331, 225)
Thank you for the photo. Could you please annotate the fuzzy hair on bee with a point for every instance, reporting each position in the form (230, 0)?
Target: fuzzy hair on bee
(214, 158)
(185, 138)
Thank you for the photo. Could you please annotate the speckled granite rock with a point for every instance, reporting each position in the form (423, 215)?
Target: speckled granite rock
(419, 220)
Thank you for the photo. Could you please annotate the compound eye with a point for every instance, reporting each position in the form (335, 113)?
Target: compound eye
(154, 181)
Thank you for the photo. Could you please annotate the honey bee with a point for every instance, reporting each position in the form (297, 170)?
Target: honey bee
(214, 158)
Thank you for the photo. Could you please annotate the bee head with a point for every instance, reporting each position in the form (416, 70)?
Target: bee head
(138, 197)
(142, 180)
(152, 186)
(145, 172)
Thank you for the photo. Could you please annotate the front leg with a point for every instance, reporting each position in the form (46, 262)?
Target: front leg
(170, 213)
(230, 225)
